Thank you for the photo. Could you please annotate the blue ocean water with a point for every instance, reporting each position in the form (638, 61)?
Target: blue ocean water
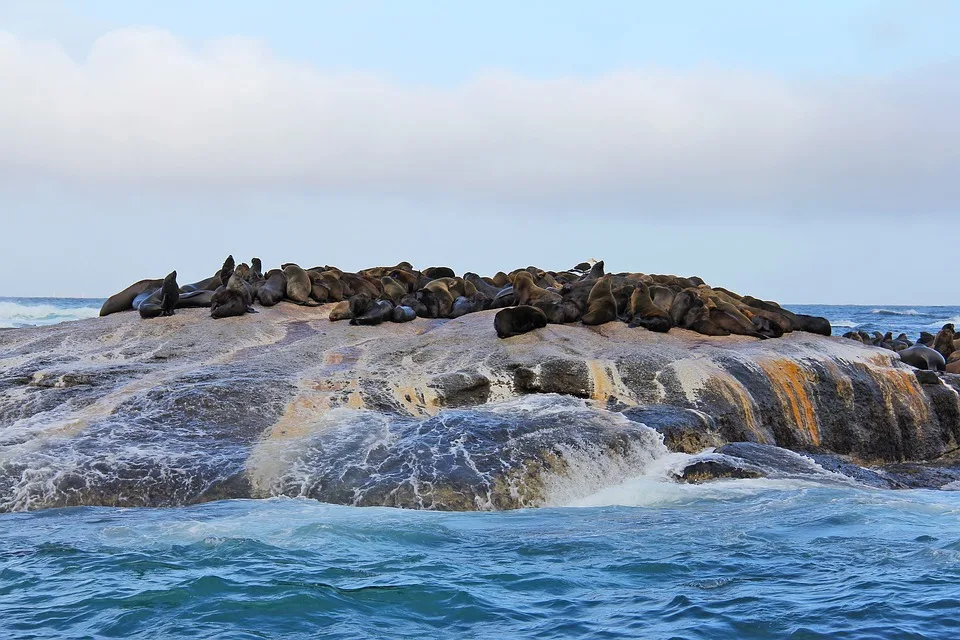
(641, 559)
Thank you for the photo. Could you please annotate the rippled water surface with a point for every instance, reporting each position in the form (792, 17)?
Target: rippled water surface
(745, 558)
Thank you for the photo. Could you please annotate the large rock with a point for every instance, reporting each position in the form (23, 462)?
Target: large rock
(121, 411)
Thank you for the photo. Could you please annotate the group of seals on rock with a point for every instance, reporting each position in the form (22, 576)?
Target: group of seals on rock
(528, 298)
(940, 352)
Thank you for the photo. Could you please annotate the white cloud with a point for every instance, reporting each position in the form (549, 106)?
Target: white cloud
(143, 108)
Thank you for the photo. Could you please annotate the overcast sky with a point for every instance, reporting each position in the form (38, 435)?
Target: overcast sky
(806, 153)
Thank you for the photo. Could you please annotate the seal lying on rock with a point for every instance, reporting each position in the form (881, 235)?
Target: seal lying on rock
(514, 321)
(923, 357)
(123, 301)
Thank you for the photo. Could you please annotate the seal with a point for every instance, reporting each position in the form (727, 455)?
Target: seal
(299, 285)
(160, 302)
(923, 357)
(514, 321)
(393, 291)
(644, 313)
(377, 312)
(256, 270)
(596, 271)
(227, 269)
(526, 292)
(469, 304)
(481, 285)
(436, 298)
(601, 305)
(273, 289)
(123, 301)
(341, 311)
(227, 303)
(403, 313)
(943, 342)
(439, 272)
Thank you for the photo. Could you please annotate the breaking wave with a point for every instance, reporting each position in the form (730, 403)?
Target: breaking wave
(34, 312)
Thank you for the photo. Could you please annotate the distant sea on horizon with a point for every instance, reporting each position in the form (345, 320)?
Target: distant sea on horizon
(649, 558)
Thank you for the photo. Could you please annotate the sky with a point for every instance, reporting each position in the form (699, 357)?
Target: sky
(801, 152)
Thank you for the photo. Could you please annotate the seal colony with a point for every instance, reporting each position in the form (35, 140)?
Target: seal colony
(940, 352)
(528, 298)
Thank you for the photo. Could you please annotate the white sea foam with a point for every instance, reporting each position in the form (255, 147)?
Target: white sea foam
(849, 324)
(939, 323)
(19, 314)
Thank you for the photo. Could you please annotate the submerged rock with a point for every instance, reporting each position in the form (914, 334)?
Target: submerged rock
(185, 409)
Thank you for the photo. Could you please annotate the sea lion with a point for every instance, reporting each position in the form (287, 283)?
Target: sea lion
(596, 271)
(411, 301)
(642, 312)
(436, 298)
(207, 284)
(227, 270)
(318, 289)
(697, 318)
(160, 302)
(481, 285)
(926, 339)
(500, 279)
(517, 320)
(409, 280)
(227, 303)
(403, 313)
(953, 367)
(943, 342)
(299, 286)
(377, 312)
(601, 305)
(393, 291)
(238, 283)
(341, 311)
(194, 299)
(923, 357)
(273, 289)
(439, 272)
(256, 270)
(468, 304)
(526, 292)
(123, 301)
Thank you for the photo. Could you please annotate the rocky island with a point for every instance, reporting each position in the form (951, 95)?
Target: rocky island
(441, 413)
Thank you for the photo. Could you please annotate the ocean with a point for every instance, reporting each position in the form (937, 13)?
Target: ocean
(809, 557)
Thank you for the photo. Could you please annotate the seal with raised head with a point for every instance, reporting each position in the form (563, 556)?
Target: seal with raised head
(943, 342)
(526, 292)
(227, 269)
(642, 312)
(160, 302)
(601, 305)
(514, 321)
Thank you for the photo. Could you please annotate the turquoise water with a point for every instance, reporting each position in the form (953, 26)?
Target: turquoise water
(736, 559)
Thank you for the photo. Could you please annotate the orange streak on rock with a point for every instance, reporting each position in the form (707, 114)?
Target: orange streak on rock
(789, 381)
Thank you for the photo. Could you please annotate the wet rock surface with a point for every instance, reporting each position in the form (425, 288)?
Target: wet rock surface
(183, 409)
